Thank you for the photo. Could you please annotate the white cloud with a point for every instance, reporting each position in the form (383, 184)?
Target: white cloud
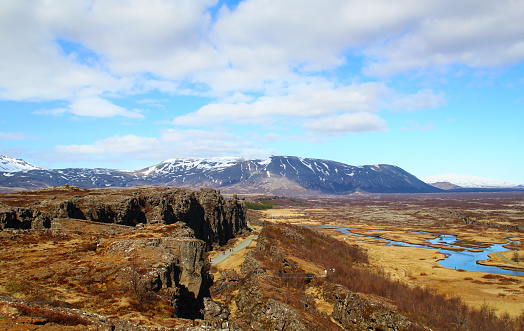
(255, 47)
(474, 33)
(307, 34)
(42, 58)
(423, 99)
(304, 101)
(267, 39)
(32, 65)
(13, 136)
(168, 144)
(259, 46)
(337, 109)
(355, 122)
(116, 145)
(167, 38)
(94, 107)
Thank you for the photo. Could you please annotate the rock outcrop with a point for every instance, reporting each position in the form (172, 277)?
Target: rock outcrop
(176, 267)
(257, 311)
(214, 219)
(24, 218)
(356, 312)
(275, 293)
(163, 255)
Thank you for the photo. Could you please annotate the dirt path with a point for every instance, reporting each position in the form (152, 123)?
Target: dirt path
(237, 248)
(508, 260)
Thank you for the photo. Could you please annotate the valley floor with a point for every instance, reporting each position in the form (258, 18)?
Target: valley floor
(414, 220)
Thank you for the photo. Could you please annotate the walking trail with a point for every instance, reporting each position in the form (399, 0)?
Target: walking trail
(237, 248)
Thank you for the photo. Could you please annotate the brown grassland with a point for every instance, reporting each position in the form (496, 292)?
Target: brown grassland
(47, 271)
(400, 217)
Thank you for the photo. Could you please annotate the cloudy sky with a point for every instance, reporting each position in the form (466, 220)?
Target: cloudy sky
(432, 86)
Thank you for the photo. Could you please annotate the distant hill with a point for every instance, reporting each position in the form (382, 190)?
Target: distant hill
(471, 183)
(282, 175)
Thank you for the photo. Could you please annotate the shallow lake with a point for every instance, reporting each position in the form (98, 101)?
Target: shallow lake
(465, 260)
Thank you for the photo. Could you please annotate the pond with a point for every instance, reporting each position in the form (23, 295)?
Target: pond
(465, 259)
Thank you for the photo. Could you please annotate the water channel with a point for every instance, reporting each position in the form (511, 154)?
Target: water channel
(466, 260)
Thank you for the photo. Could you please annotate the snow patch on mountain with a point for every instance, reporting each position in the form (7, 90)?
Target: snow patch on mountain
(471, 181)
(10, 164)
(265, 162)
(187, 163)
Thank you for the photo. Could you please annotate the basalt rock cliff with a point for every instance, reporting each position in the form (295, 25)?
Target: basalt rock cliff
(177, 268)
(148, 245)
(213, 218)
(24, 218)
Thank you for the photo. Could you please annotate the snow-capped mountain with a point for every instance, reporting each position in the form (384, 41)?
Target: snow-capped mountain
(463, 181)
(188, 163)
(9, 164)
(283, 174)
(287, 175)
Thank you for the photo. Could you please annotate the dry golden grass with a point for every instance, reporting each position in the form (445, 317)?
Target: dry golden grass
(416, 265)
(68, 269)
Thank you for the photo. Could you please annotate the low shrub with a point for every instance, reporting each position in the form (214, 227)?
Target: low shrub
(263, 205)
(421, 304)
(53, 316)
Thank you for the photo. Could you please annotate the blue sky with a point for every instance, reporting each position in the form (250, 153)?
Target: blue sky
(435, 87)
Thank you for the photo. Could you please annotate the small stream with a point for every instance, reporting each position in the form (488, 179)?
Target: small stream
(465, 260)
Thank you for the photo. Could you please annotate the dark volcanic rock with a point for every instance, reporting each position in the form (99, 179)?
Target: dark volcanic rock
(213, 218)
(356, 312)
(215, 315)
(69, 209)
(152, 249)
(180, 269)
(24, 218)
(258, 312)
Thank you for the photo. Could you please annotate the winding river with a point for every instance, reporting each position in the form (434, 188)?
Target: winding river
(466, 260)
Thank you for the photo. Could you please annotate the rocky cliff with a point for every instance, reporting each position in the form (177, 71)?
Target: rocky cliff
(356, 311)
(23, 218)
(213, 218)
(148, 244)
(173, 267)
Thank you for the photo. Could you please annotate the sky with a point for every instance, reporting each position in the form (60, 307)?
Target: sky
(434, 87)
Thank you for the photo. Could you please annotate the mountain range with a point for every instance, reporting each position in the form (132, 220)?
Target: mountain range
(282, 175)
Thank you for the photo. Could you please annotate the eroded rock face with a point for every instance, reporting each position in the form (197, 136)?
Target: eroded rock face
(24, 218)
(69, 209)
(215, 316)
(355, 312)
(170, 260)
(258, 312)
(213, 218)
(180, 269)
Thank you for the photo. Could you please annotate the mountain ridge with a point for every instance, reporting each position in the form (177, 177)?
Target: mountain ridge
(286, 175)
